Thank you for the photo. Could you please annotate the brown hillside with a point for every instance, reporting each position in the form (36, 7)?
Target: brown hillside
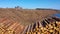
(25, 16)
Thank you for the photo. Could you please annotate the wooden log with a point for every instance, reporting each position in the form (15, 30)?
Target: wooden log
(40, 25)
(1, 32)
(17, 29)
(9, 24)
(43, 23)
(12, 26)
(37, 26)
(25, 30)
(31, 28)
(1, 25)
(28, 30)
(34, 26)
(38, 33)
(4, 23)
(3, 19)
(46, 21)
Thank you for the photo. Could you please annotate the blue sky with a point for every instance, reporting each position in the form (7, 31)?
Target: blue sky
(54, 4)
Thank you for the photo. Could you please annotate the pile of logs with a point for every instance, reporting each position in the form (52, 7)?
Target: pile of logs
(50, 25)
(8, 26)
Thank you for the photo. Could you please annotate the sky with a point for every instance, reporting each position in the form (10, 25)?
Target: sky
(31, 4)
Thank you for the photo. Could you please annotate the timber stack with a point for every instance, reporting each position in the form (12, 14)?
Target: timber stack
(50, 25)
(8, 26)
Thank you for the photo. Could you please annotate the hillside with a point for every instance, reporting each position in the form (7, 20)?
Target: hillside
(25, 16)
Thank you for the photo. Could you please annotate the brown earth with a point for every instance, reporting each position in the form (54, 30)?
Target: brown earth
(25, 16)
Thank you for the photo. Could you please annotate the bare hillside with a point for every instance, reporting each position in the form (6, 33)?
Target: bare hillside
(25, 16)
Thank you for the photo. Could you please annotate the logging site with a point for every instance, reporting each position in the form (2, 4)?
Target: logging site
(24, 21)
(29, 16)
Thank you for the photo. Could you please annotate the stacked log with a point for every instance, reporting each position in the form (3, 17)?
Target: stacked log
(7, 26)
(49, 25)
